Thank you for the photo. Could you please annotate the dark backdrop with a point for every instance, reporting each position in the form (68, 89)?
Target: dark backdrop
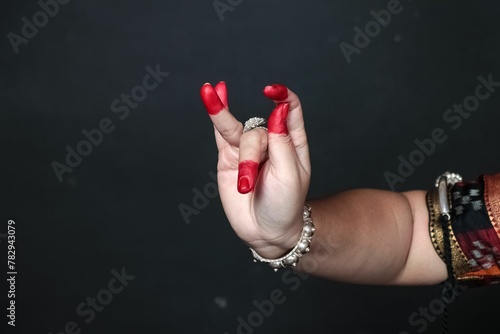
(117, 212)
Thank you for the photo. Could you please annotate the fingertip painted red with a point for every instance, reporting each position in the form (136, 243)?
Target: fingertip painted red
(211, 100)
(221, 91)
(244, 185)
(247, 174)
(276, 92)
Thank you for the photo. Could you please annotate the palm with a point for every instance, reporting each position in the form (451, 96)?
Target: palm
(252, 214)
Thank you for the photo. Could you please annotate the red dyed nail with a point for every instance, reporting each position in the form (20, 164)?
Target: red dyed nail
(211, 100)
(277, 121)
(221, 91)
(244, 185)
(247, 174)
(276, 92)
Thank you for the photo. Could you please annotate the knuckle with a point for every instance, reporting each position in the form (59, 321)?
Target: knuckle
(255, 138)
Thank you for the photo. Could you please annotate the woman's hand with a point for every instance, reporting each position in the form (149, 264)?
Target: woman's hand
(364, 236)
(263, 176)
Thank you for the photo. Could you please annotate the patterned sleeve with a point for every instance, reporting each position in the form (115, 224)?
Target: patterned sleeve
(474, 229)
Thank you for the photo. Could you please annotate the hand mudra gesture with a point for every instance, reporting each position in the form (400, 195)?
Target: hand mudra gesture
(263, 175)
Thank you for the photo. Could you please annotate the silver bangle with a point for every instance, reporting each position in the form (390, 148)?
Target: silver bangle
(298, 251)
(442, 183)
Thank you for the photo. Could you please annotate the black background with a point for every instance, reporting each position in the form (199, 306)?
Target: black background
(119, 207)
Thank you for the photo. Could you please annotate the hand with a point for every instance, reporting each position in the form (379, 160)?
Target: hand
(263, 176)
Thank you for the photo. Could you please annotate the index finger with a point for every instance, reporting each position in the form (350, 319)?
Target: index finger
(225, 123)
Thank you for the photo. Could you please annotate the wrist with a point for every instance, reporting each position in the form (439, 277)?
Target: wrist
(278, 247)
(293, 255)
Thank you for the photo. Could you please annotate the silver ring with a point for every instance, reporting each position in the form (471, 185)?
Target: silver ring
(254, 123)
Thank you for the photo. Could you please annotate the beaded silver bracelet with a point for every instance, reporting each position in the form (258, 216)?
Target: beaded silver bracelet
(298, 251)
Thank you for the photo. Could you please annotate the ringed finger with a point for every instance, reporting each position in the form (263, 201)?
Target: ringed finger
(253, 150)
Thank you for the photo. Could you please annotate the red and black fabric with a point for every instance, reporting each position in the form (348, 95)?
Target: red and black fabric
(475, 217)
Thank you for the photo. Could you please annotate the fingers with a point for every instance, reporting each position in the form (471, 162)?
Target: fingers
(282, 153)
(253, 148)
(277, 143)
(294, 123)
(211, 99)
(215, 101)
(287, 136)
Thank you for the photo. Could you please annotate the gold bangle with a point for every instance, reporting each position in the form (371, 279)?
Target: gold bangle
(459, 261)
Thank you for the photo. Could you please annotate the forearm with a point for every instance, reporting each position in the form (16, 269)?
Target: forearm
(370, 236)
